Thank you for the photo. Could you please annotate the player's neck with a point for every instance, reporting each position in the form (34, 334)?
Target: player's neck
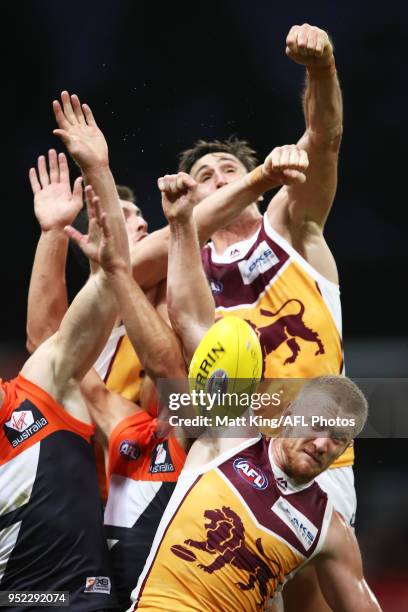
(243, 227)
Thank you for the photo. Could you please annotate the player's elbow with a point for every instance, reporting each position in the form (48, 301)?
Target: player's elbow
(30, 342)
(368, 601)
(327, 139)
(30, 345)
(35, 339)
(334, 137)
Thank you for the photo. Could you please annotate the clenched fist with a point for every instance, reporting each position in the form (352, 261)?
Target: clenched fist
(177, 191)
(309, 45)
(286, 165)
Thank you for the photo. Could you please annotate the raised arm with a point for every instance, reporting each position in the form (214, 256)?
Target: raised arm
(68, 354)
(86, 143)
(189, 300)
(340, 571)
(323, 111)
(152, 338)
(55, 206)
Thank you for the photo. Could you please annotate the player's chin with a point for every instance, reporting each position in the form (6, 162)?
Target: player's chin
(306, 469)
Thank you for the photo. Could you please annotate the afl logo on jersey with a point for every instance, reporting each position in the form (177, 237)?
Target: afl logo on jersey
(252, 474)
(129, 450)
(216, 286)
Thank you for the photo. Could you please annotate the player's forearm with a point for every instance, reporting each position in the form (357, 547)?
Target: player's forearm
(323, 107)
(152, 339)
(189, 300)
(85, 328)
(220, 208)
(47, 295)
(104, 186)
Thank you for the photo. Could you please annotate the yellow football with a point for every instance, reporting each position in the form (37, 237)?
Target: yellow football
(227, 363)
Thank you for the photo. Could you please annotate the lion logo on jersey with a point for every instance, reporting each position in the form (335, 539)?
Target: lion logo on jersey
(286, 329)
(226, 539)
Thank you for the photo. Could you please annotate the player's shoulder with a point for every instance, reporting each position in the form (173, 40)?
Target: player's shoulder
(7, 394)
(139, 425)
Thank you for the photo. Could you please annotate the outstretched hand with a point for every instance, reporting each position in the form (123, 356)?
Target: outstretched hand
(98, 244)
(177, 196)
(286, 165)
(55, 205)
(79, 132)
(309, 45)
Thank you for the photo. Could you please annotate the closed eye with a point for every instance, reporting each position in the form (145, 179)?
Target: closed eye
(204, 178)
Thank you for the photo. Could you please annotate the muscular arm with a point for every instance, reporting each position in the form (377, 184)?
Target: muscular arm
(55, 206)
(189, 300)
(86, 144)
(84, 330)
(323, 112)
(340, 571)
(47, 295)
(151, 337)
(153, 340)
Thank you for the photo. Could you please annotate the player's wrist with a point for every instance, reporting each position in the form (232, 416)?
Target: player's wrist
(95, 167)
(322, 71)
(117, 269)
(56, 231)
(181, 221)
(258, 180)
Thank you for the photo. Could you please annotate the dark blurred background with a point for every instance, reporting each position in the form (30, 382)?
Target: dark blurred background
(160, 75)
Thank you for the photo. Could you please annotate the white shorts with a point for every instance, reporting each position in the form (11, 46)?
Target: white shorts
(339, 486)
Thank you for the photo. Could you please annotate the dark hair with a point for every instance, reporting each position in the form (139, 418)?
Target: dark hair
(126, 193)
(232, 145)
(81, 224)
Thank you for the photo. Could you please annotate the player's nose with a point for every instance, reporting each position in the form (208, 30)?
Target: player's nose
(140, 224)
(321, 445)
(220, 180)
